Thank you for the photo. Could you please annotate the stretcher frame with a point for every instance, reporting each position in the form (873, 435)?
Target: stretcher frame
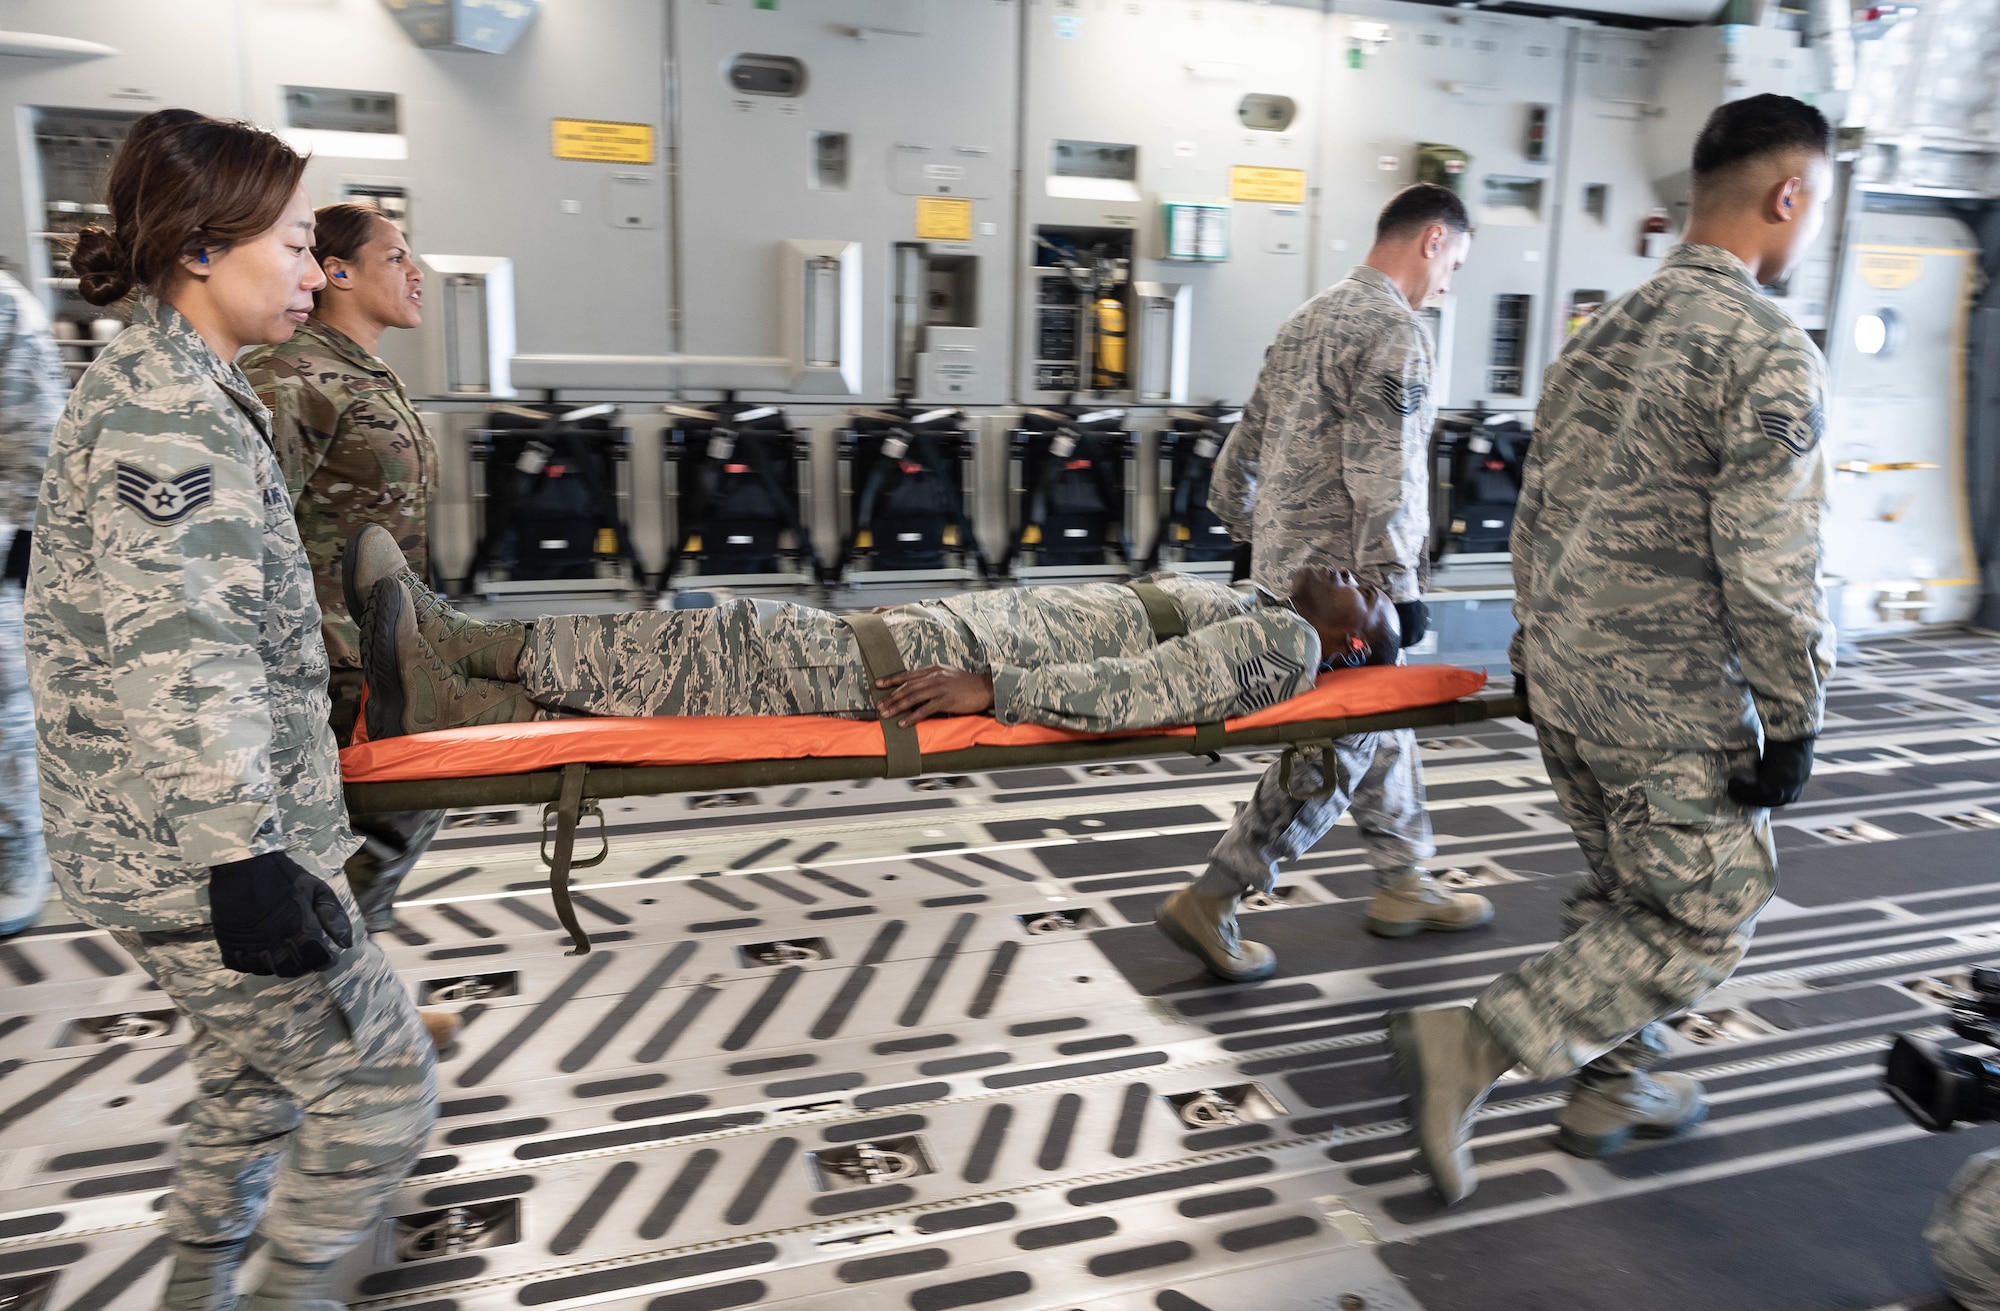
(571, 794)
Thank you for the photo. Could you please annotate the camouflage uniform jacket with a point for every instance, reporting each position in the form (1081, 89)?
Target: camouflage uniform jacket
(1329, 464)
(173, 641)
(32, 388)
(1085, 658)
(1668, 538)
(354, 453)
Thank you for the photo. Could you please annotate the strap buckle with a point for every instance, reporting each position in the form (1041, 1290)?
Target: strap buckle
(1314, 753)
(586, 810)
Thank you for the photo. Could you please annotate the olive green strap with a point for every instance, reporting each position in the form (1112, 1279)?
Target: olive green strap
(565, 810)
(879, 654)
(1167, 622)
(1161, 612)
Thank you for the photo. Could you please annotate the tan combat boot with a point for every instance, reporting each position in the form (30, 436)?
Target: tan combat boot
(1603, 1115)
(477, 648)
(1205, 928)
(1416, 901)
(1447, 1061)
(412, 690)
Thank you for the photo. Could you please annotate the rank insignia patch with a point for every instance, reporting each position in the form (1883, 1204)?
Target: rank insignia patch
(1261, 679)
(1798, 435)
(166, 500)
(1405, 398)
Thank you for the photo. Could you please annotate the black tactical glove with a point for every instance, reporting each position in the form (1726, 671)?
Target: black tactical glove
(1239, 562)
(1416, 617)
(272, 917)
(1521, 690)
(17, 556)
(1782, 772)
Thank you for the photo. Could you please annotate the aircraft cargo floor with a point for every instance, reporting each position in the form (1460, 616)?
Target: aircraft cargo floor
(916, 1044)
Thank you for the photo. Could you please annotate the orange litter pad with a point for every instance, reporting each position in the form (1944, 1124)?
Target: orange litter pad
(530, 748)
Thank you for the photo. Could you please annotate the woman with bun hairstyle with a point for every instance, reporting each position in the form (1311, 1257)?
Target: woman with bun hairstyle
(190, 785)
(354, 453)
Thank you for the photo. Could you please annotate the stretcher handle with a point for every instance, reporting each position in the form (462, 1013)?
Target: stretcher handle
(567, 809)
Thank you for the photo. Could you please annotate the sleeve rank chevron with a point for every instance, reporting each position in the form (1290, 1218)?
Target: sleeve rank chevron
(1798, 435)
(1405, 398)
(166, 500)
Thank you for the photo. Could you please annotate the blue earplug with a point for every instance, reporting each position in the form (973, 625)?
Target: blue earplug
(204, 257)
(341, 276)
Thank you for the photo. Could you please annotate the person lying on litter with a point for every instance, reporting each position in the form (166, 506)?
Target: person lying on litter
(1082, 657)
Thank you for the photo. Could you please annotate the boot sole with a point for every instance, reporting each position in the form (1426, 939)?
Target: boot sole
(1411, 928)
(1409, 1073)
(384, 674)
(1180, 938)
(1592, 1146)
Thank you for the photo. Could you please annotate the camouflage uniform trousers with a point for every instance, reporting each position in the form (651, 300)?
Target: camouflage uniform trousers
(741, 658)
(313, 1095)
(392, 842)
(1374, 774)
(1964, 1234)
(24, 864)
(1678, 875)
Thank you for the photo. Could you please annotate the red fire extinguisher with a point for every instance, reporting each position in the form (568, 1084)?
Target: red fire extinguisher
(1657, 237)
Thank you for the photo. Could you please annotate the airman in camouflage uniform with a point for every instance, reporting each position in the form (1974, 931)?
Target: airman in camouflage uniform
(32, 389)
(1071, 657)
(353, 451)
(1666, 553)
(180, 689)
(1670, 603)
(1329, 466)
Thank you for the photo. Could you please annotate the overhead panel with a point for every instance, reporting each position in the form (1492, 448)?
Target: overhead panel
(1470, 100)
(1177, 136)
(488, 27)
(888, 133)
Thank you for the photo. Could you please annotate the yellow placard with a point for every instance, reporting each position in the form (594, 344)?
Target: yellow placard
(943, 218)
(1886, 271)
(1268, 186)
(602, 143)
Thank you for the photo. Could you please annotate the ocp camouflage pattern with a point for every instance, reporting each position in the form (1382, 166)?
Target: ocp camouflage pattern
(1073, 657)
(1328, 465)
(1668, 539)
(353, 452)
(173, 640)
